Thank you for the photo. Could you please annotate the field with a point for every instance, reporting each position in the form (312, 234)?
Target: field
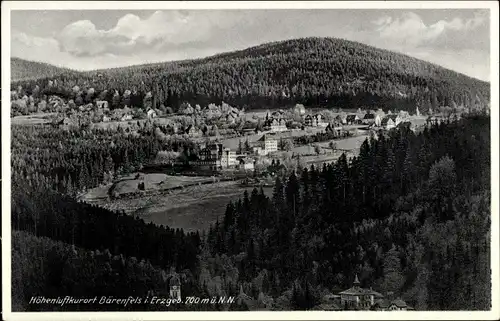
(33, 119)
(133, 122)
(192, 208)
(155, 182)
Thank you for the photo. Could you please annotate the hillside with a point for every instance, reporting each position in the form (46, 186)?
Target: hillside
(57, 269)
(313, 71)
(23, 70)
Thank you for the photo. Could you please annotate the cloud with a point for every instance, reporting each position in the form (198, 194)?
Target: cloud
(48, 50)
(467, 61)
(135, 35)
(410, 29)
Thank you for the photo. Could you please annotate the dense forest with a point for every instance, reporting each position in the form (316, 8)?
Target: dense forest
(410, 215)
(382, 215)
(323, 72)
(63, 270)
(50, 166)
(71, 161)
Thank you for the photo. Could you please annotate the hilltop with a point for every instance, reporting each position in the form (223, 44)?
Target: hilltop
(314, 71)
(25, 70)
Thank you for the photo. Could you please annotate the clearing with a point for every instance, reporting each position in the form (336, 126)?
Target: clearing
(189, 206)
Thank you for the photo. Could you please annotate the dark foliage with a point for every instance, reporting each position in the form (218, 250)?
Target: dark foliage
(382, 215)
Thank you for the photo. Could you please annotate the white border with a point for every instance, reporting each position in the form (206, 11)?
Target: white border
(295, 315)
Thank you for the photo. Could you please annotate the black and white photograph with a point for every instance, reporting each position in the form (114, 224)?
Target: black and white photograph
(328, 160)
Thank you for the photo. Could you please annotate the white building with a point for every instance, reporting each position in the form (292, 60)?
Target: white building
(278, 125)
(101, 104)
(259, 151)
(152, 113)
(268, 144)
(228, 158)
(300, 109)
(127, 117)
(247, 163)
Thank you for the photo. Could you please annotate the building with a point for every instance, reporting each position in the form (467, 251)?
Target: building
(247, 163)
(174, 284)
(342, 119)
(403, 115)
(329, 302)
(435, 120)
(394, 305)
(152, 113)
(244, 299)
(299, 109)
(315, 121)
(352, 119)
(212, 151)
(372, 119)
(357, 298)
(210, 157)
(276, 114)
(387, 123)
(127, 117)
(192, 131)
(334, 128)
(101, 104)
(268, 144)
(277, 125)
(308, 120)
(396, 118)
(228, 158)
(319, 121)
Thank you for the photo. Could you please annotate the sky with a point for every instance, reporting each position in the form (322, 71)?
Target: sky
(457, 39)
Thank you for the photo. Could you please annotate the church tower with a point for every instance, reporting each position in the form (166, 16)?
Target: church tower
(174, 283)
(356, 282)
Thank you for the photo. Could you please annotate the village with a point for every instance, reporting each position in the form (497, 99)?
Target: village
(310, 135)
(231, 142)
(222, 150)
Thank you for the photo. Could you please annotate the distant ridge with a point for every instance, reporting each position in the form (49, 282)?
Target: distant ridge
(25, 70)
(314, 71)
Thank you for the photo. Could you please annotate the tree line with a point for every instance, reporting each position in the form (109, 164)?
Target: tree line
(381, 215)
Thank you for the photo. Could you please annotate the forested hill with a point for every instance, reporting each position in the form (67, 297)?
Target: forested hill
(313, 71)
(23, 70)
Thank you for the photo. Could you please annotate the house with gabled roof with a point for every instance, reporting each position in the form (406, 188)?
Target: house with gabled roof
(342, 119)
(358, 298)
(372, 119)
(352, 119)
(388, 305)
(390, 121)
(314, 120)
(101, 104)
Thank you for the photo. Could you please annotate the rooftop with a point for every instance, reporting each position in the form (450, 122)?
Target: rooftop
(384, 303)
(266, 137)
(356, 290)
